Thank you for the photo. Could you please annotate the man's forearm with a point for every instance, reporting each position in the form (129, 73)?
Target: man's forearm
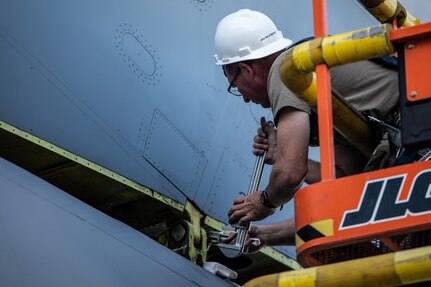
(279, 233)
(313, 174)
(283, 185)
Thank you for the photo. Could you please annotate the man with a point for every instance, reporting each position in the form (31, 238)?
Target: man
(250, 49)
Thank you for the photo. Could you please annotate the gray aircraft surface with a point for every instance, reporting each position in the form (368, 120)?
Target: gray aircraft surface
(43, 228)
(121, 105)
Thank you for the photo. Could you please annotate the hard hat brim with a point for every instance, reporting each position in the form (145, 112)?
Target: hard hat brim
(267, 50)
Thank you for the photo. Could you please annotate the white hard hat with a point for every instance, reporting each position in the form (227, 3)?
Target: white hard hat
(247, 35)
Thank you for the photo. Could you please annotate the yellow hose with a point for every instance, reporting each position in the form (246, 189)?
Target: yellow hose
(392, 269)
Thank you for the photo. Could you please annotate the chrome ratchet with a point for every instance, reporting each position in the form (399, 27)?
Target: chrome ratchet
(236, 248)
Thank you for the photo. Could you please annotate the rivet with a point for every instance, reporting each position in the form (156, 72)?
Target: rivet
(410, 46)
(413, 94)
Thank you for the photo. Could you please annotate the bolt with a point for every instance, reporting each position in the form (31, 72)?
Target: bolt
(410, 46)
(413, 94)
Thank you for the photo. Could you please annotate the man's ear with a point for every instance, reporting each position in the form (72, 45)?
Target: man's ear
(247, 68)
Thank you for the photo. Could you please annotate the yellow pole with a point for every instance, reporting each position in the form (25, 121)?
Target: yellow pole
(297, 73)
(386, 11)
(392, 269)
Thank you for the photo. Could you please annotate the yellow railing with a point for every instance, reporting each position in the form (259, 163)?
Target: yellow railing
(386, 11)
(298, 66)
(392, 269)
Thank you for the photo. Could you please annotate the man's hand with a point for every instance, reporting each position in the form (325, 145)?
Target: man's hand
(248, 208)
(265, 140)
(249, 247)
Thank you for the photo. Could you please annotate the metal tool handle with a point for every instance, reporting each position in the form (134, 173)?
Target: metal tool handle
(236, 249)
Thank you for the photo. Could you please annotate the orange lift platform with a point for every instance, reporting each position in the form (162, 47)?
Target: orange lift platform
(376, 224)
(380, 211)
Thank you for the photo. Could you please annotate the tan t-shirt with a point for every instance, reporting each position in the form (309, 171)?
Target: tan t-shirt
(367, 85)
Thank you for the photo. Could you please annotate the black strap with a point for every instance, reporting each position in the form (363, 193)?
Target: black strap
(301, 41)
(388, 61)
